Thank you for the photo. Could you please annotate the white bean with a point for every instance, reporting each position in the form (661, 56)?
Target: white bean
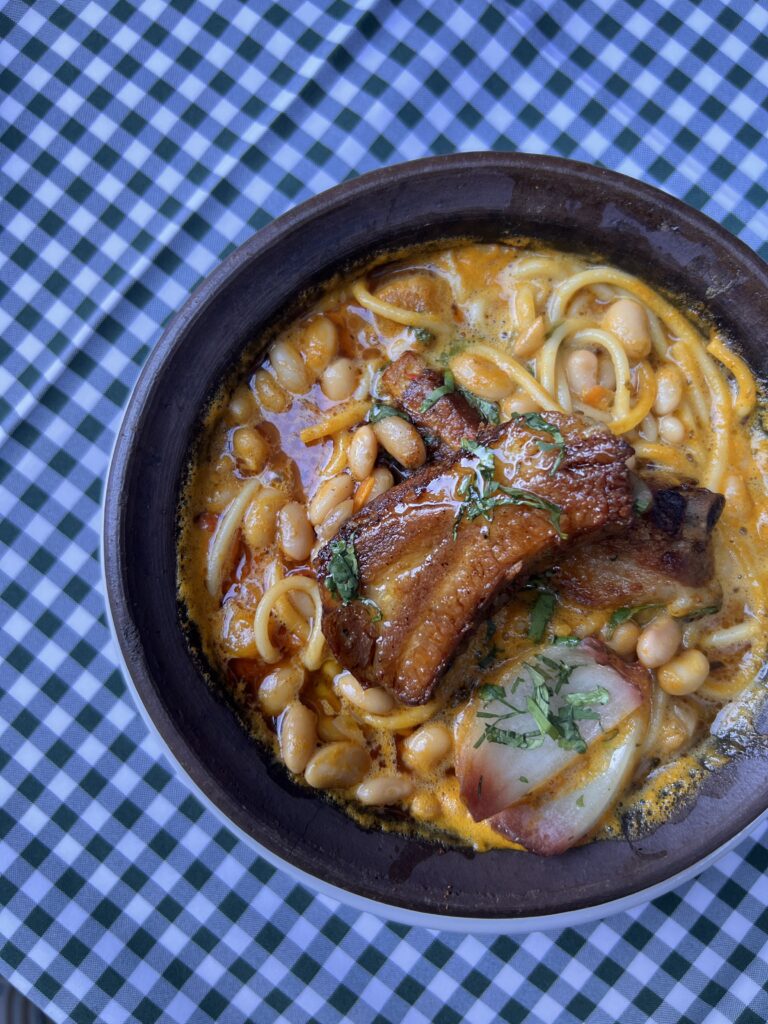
(402, 440)
(671, 429)
(685, 673)
(298, 737)
(482, 377)
(340, 379)
(382, 481)
(606, 373)
(628, 321)
(279, 688)
(425, 748)
(320, 343)
(649, 429)
(375, 700)
(363, 449)
(289, 367)
(530, 339)
(518, 403)
(669, 389)
(658, 642)
(260, 518)
(338, 765)
(269, 393)
(328, 496)
(251, 449)
(384, 790)
(331, 728)
(295, 531)
(335, 520)
(242, 406)
(581, 370)
(624, 639)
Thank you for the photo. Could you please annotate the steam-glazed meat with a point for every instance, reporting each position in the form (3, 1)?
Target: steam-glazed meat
(434, 552)
(450, 420)
(665, 557)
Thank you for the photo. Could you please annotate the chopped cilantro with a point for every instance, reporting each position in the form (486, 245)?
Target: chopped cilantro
(488, 410)
(557, 444)
(343, 570)
(343, 577)
(484, 499)
(381, 411)
(622, 615)
(422, 334)
(700, 613)
(580, 801)
(434, 396)
(541, 615)
(560, 724)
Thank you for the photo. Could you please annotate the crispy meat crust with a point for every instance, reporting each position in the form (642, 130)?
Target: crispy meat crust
(431, 587)
(449, 421)
(665, 554)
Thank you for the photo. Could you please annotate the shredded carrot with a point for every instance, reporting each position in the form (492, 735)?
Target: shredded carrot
(340, 418)
(598, 397)
(363, 492)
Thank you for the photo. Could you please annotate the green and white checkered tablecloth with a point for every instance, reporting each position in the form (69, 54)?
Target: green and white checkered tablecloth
(140, 141)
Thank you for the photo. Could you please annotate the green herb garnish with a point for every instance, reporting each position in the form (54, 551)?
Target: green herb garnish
(434, 396)
(541, 615)
(566, 641)
(482, 500)
(580, 801)
(700, 613)
(488, 410)
(383, 412)
(560, 724)
(622, 615)
(343, 578)
(492, 653)
(422, 334)
(557, 444)
(343, 571)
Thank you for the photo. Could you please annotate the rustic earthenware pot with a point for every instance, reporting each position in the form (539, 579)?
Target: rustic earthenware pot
(573, 205)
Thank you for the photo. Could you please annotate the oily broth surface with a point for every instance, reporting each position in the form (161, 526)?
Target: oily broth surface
(471, 290)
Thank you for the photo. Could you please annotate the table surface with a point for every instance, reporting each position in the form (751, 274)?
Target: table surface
(140, 141)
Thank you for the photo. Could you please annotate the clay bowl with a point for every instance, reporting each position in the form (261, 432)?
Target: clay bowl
(572, 205)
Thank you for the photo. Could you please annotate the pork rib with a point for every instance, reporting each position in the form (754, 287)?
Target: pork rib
(432, 576)
(665, 556)
(448, 421)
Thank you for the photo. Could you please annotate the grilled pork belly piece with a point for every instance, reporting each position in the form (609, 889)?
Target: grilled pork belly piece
(665, 557)
(450, 420)
(435, 551)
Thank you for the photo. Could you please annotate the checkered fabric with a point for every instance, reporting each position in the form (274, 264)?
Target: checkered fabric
(140, 141)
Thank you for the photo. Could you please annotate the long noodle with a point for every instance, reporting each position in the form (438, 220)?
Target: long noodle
(397, 314)
(227, 529)
(520, 375)
(747, 393)
(312, 652)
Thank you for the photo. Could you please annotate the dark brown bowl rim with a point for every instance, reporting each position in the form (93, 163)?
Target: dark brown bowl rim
(662, 856)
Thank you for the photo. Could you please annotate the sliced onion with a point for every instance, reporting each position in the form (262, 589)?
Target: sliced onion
(560, 814)
(492, 776)
(220, 550)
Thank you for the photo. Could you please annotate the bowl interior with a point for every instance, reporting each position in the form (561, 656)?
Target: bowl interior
(481, 196)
